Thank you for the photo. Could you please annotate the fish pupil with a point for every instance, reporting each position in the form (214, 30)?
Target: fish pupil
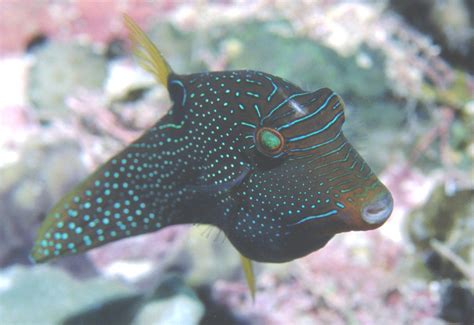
(269, 141)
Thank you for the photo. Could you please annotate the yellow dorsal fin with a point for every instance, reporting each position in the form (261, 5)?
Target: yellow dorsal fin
(149, 57)
(248, 270)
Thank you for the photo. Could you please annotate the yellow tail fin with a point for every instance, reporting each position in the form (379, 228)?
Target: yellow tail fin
(149, 57)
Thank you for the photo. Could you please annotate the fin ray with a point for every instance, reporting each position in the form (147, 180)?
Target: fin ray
(249, 274)
(149, 53)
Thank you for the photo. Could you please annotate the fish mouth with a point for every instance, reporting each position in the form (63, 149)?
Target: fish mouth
(378, 211)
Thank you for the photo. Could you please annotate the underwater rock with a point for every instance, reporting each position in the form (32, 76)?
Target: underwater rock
(115, 49)
(172, 303)
(319, 289)
(193, 251)
(305, 62)
(217, 312)
(448, 22)
(29, 188)
(445, 221)
(457, 94)
(45, 295)
(13, 72)
(59, 70)
(35, 42)
(377, 124)
(117, 311)
(179, 47)
(462, 141)
(456, 304)
(359, 76)
(142, 259)
(125, 82)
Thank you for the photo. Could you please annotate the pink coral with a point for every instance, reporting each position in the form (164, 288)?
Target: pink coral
(99, 21)
(336, 285)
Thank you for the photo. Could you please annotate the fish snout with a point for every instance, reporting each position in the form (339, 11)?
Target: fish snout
(378, 211)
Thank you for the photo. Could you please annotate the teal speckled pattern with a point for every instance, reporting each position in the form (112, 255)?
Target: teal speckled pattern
(203, 163)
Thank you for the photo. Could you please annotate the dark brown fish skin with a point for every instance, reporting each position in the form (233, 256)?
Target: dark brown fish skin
(202, 163)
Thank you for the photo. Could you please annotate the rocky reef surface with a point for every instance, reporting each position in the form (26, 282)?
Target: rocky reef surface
(72, 96)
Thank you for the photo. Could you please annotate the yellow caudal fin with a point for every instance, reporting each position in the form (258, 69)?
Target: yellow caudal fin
(248, 270)
(149, 57)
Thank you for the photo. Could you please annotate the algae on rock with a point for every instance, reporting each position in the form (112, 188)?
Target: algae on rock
(445, 219)
(59, 70)
(29, 188)
(46, 295)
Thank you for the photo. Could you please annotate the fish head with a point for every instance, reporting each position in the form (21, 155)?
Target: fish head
(308, 182)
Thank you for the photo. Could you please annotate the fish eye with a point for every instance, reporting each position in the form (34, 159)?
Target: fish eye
(269, 141)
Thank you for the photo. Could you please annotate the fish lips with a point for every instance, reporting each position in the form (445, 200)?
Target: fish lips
(370, 215)
(378, 211)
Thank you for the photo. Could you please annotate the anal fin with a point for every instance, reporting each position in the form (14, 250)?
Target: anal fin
(249, 275)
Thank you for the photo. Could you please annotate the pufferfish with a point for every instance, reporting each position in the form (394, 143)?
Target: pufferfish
(248, 152)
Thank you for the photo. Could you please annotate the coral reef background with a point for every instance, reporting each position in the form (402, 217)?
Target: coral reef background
(71, 96)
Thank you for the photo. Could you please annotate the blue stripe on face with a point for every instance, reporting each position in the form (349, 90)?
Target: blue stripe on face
(346, 157)
(305, 136)
(317, 145)
(283, 103)
(343, 160)
(319, 109)
(331, 152)
(275, 88)
(318, 216)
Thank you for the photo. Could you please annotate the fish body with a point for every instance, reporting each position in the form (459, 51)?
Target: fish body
(251, 153)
